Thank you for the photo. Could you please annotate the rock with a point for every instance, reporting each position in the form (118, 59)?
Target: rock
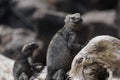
(82, 6)
(32, 3)
(99, 16)
(12, 40)
(41, 75)
(6, 66)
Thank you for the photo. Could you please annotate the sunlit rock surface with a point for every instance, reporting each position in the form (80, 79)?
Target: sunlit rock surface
(6, 66)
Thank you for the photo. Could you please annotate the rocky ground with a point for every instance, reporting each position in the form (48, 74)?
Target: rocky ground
(6, 66)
